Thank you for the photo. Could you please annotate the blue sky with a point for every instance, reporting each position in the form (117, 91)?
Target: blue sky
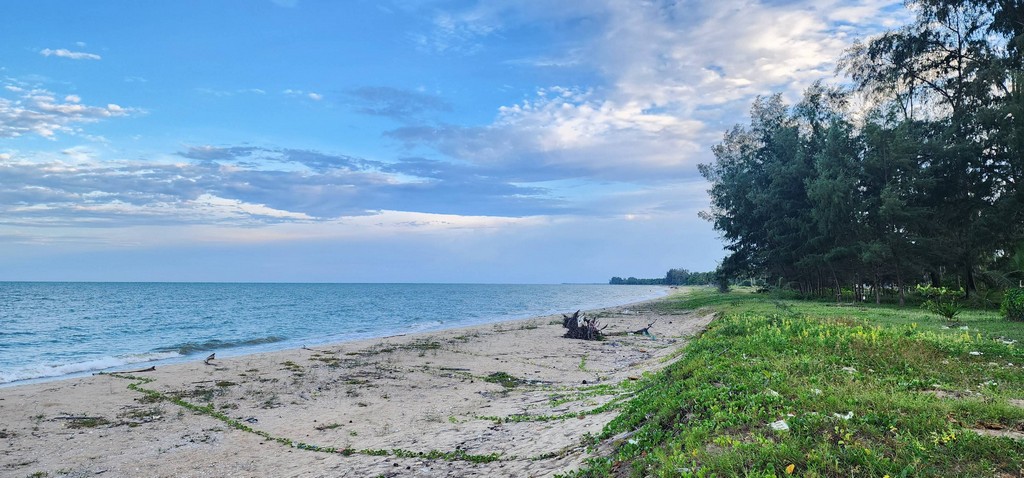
(384, 141)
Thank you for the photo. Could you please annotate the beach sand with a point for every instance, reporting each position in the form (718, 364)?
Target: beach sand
(407, 395)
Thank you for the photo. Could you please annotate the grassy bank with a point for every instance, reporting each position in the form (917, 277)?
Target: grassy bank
(777, 387)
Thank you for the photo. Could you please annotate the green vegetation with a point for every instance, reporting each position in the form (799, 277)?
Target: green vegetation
(916, 174)
(503, 379)
(1013, 305)
(942, 301)
(672, 277)
(778, 386)
(88, 422)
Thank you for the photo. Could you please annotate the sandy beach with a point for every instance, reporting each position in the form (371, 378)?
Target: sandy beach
(509, 399)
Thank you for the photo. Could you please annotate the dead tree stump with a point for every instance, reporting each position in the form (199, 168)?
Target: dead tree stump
(581, 327)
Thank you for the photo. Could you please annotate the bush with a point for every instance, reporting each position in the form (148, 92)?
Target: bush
(942, 301)
(1013, 305)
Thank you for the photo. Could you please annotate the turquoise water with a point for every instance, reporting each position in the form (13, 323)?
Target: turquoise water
(50, 330)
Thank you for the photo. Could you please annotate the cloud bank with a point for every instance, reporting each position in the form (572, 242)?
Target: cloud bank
(586, 117)
(675, 75)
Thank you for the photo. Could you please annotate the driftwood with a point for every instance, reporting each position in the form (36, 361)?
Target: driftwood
(582, 327)
(644, 331)
(150, 369)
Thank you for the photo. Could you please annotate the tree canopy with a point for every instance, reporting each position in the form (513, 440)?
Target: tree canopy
(672, 277)
(919, 182)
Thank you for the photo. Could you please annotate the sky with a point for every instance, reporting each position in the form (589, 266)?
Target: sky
(385, 141)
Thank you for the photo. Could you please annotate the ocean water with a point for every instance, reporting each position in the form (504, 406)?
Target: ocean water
(50, 330)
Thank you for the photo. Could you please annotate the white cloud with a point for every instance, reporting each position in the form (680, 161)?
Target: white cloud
(242, 186)
(563, 131)
(73, 55)
(675, 76)
(226, 93)
(301, 93)
(211, 205)
(40, 112)
(79, 154)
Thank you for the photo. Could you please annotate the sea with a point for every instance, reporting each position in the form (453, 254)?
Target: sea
(52, 330)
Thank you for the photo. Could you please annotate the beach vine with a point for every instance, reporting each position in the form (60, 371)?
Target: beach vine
(210, 411)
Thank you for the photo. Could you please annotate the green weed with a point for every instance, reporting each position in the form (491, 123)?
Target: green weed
(777, 387)
(503, 379)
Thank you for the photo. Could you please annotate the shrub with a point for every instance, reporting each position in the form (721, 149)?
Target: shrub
(1013, 305)
(942, 301)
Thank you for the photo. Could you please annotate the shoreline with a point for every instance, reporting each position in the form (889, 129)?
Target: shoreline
(510, 398)
(87, 365)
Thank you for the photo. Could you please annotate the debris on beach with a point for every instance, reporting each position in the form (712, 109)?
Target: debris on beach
(582, 327)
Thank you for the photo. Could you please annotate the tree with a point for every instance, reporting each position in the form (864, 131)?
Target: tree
(926, 185)
(944, 70)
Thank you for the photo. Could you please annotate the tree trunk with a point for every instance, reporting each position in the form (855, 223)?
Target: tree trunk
(899, 283)
(877, 287)
(971, 284)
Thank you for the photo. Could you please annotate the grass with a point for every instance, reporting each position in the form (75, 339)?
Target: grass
(503, 379)
(88, 422)
(328, 426)
(858, 390)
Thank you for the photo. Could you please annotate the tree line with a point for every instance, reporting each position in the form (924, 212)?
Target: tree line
(909, 174)
(672, 277)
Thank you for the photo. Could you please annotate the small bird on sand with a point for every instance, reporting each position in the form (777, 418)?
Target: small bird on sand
(208, 359)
